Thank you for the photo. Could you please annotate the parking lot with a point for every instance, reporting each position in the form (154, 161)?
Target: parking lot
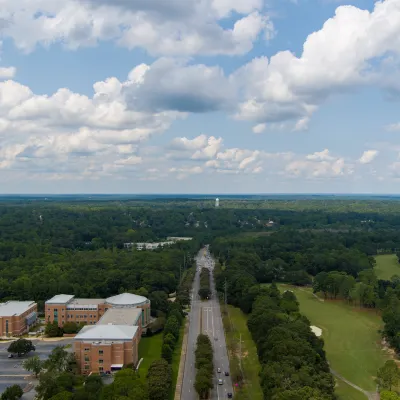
(11, 370)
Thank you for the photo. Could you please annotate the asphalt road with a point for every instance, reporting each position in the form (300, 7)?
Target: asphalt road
(11, 370)
(212, 326)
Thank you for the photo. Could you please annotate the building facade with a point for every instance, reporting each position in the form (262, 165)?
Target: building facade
(113, 328)
(16, 317)
(66, 308)
(106, 348)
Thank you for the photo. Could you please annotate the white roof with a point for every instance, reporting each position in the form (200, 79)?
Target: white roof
(11, 308)
(126, 299)
(120, 316)
(107, 332)
(60, 299)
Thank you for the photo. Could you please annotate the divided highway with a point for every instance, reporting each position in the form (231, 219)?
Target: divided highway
(210, 314)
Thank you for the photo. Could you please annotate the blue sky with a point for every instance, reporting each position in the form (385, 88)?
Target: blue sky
(199, 96)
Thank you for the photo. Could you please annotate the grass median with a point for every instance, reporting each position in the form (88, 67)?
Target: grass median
(235, 324)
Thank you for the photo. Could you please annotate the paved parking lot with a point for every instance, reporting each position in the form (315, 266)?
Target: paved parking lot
(11, 371)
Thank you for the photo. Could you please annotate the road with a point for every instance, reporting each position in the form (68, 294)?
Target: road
(212, 326)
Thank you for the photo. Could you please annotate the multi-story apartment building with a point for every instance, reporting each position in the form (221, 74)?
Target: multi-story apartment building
(113, 328)
(66, 308)
(16, 317)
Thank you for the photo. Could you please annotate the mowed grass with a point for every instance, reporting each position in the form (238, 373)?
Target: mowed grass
(250, 364)
(386, 266)
(352, 340)
(149, 350)
(346, 392)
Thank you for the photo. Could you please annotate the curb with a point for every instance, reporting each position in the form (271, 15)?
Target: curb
(179, 381)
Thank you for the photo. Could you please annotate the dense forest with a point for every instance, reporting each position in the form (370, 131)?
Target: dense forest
(77, 247)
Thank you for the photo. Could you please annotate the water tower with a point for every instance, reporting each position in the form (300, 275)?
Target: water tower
(217, 202)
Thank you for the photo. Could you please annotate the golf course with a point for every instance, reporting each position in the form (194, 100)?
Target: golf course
(352, 340)
(386, 266)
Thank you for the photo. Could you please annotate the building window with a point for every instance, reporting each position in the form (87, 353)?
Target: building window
(87, 366)
(6, 326)
(101, 369)
(85, 316)
(90, 316)
(87, 358)
(100, 361)
(87, 349)
(100, 352)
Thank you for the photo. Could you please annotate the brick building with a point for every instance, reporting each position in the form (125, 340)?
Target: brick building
(66, 308)
(113, 328)
(16, 317)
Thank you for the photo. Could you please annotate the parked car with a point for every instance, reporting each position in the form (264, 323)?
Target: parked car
(10, 356)
(229, 395)
(219, 370)
(226, 373)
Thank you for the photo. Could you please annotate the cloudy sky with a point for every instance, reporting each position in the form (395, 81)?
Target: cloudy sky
(199, 96)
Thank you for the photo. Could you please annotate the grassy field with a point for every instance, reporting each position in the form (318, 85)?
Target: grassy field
(251, 366)
(346, 392)
(149, 350)
(387, 265)
(352, 341)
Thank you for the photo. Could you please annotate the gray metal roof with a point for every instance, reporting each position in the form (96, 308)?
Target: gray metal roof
(106, 332)
(60, 299)
(11, 308)
(120, 316)
(126, 299)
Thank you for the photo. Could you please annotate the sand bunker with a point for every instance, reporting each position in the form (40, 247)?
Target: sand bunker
(317, 331)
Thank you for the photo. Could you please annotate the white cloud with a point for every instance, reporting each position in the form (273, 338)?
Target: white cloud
(393, 127)
(319, 165)
(161, 27)
(259, 128)
(368, 156)
(350, 50)
(7, 72)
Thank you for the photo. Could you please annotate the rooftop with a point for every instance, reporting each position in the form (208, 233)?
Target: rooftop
(85, 302)
(107, 332)
(126, 299)
(60, 299)
(121, 316)
(11, 308)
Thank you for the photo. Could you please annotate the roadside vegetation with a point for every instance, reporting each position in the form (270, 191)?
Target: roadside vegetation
(204, 366)
(243, 360)
(205, 290)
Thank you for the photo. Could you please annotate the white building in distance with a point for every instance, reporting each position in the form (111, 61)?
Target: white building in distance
(217, 202)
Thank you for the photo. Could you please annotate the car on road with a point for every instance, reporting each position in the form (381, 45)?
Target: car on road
(10, 356)
(219, 370)
(229, 395)
(220, 382)
(226, 373)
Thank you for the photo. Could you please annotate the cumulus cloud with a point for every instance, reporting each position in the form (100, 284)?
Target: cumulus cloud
(161, 27)
(368, 156)
(393, 127)
(176, 85)
(319, 165)
(351, 49)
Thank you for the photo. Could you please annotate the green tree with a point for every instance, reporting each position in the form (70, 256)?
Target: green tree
(63, 396)
(387, 395)
(159, 380)
(21, 347)
(34, 365)
(166, 352)
(388, 376)
(53, 330)
(71, 327)
(13, 392)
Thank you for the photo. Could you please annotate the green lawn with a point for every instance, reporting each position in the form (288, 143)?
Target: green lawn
(352, 341)
(387, 265)
(149, 350)
(250, 364)
(346, 392)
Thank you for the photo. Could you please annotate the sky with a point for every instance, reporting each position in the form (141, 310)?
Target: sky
(199, 96)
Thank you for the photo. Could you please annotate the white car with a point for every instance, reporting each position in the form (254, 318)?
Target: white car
(220, 382)
(219, 370)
